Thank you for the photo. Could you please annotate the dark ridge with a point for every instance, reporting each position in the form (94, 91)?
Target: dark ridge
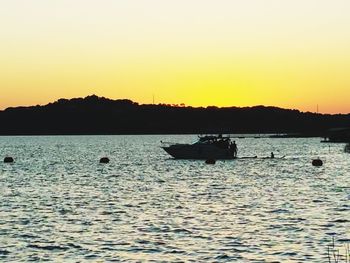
(99, 115)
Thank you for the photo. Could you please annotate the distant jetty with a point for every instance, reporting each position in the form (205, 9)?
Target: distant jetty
(99, 115)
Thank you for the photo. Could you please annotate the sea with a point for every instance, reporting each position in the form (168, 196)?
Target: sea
(59, 204)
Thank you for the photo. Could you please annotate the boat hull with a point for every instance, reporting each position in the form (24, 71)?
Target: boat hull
(199, 152)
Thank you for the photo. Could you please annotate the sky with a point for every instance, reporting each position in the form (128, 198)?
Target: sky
(291, 53)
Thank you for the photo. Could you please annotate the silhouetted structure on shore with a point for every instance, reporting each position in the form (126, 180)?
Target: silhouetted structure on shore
(98, 115)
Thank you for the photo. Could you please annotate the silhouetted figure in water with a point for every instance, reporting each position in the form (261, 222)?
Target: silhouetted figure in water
(234, 148)
(272, 155)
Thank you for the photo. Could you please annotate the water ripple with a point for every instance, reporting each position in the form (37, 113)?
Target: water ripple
(60, 205)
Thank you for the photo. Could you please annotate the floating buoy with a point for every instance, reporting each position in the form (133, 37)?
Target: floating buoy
(104, 160)
(210, 161)
(317, 162)
(8, 159)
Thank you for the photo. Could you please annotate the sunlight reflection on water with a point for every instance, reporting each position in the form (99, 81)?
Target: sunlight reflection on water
(59, 204)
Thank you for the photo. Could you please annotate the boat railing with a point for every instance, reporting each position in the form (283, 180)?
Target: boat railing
(168, 143)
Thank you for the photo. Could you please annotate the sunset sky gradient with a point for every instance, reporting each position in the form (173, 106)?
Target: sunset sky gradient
(290, 53)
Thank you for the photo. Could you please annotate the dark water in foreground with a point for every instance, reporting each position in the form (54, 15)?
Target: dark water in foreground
(59, 204)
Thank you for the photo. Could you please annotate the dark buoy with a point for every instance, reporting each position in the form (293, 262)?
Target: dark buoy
(317, 162)
(104, 160)
(210, 161)
(8, 159)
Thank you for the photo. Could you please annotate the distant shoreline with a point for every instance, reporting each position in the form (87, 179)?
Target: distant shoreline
(94, 115)
(244, 136)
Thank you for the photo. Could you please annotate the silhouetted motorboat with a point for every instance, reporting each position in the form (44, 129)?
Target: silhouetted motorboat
(337, 135)
(207, 147)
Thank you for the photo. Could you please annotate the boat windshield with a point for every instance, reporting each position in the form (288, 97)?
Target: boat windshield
(217, 140)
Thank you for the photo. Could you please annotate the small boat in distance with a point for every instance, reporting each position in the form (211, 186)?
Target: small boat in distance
(207, 147)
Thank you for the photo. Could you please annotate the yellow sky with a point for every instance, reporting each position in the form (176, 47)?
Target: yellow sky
(290, 53)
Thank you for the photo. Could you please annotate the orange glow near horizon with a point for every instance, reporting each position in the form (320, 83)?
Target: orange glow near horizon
(289, 54)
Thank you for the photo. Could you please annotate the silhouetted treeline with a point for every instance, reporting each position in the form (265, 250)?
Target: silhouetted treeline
(96, 115)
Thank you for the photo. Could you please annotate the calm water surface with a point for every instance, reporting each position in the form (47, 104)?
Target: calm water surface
(59, 204)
